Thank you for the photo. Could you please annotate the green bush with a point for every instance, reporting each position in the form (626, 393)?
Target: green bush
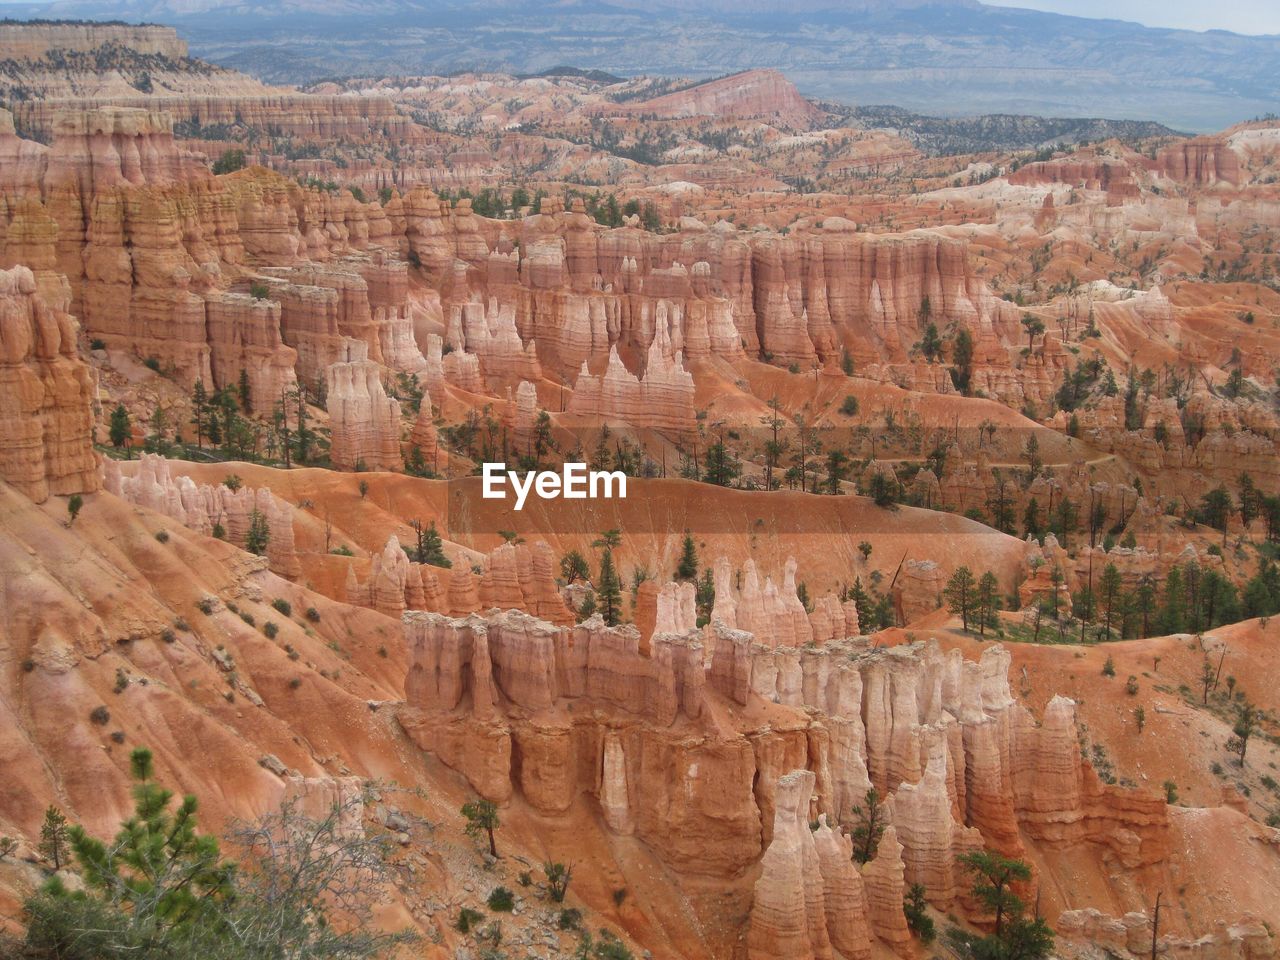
(467, 919)
(501, 900)
(283, 606)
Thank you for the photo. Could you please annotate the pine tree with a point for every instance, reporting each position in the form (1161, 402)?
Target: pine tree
(53, 838)
(868, 827)
(1173, 610)
(573, 567)
(259, 534)
(1031, 519)
(705, 596)
(960, 594)
(687, 568)
(587, 608)
(609, 589)
(722, 467)
(199, 410)
(988, 602)
(120, 428)
(962, 361)
(1144, 604)
(482, 818)
(245, 395)
(428, 547)
(1110, 589)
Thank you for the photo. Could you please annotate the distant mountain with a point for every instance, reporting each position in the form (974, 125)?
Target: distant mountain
(948, 57)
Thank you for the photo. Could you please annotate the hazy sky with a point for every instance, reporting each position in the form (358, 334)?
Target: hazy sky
(1241, 16)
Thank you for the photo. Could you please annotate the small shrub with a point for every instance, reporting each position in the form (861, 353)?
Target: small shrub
(152, 363)
(168, 636)
(117, 736)
(313, 614)
(342, 551)
(850, 406)
(162, 536)
(259, 291)
(382, 652)
(295, 683)
(205, 605)
(501, 900)
(100, 715)
(181, 624)
(1131, 686)
(122, 680)
(97, 344)
(1109, 668)
(270, 630)
(28, 665)
(467, 918)
(525, 878)
(570, 918)
(283, 606)
(1170, 792)
(247, 617)
(793, 368)
(219, 532)
(293, 654)
(619, 895)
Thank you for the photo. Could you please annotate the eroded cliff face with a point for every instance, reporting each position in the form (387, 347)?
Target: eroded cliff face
(46, 394)
(718, 751)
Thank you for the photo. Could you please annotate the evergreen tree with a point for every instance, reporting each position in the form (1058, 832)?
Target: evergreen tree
(722, 467)
(837, 469)
(962, 361)
(705, 597)
(158, 884)
(482, 818)
(1214, 509)
(609, 589)
(1065, 518)
(428, 547)
(868, 826)
(1262, 592)
(1144, 605)
(120, 428)
(1173, 610)
(988, 602)
(687, 568)
(1015, 937)
(573, 567)
(587, 608)
(53, 837)
(865, 605)
(931, 344)
(74, 505)
(961, 595)
(1109, 590)
(1031, 522)
(199, 410)
(259, 534)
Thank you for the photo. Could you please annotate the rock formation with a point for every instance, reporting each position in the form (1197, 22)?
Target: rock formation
(46, 395)
(364, 421)
(209, 509)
